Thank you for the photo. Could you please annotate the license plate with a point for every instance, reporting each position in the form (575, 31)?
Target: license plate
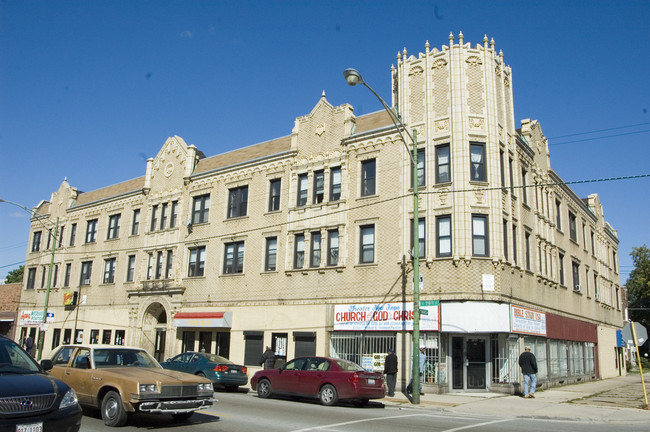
(371, 381)
(32, 427)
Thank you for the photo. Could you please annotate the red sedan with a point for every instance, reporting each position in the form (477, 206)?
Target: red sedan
(328, 379)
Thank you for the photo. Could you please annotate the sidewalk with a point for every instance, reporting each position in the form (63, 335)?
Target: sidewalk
(615, 400)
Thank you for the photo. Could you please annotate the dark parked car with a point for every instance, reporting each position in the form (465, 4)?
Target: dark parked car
(218, 369)
(30, 399)
(328, 379)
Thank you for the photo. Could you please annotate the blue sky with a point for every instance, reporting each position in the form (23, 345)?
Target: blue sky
(90, 89)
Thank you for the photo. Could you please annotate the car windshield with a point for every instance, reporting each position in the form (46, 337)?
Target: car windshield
(14, 360)
(213, 358)
(349, 366)
(110, 357)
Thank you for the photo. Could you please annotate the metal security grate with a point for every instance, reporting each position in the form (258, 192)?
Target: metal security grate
(32, 404)
(179, 390)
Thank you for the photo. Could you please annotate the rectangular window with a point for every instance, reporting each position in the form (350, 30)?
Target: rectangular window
(561, 268)
(68, 272)
(106, 337)
(61, 236)
(150, 267)
(119, 337)
(573, 231)
(169, 265)
(319, 187)
(114, 226)
(335, 184)
(314, 255)
(477, 162)
(73, 233)
(130, 268)
(234, 258)
(56, 275)
(173, 218)
(512, 177)
(558, 215)
(36, 241)
(524, 195)
(271, 254)
(135, 222)
(86, 272)
(31, 278)
(332, 247)
(201, 209)
(197, 261)
(479, 235)
(421, 238)
(163, 216)
(367, 251)
(443, 167)
(299, 251)
(421, 169)
(49, 239)
(154, 218)
(593, 244)
(109, 270)
(302, 190)
(514, 243)
(443, 236)
(43, 273)
(159, 264)
(274, 194)
(368, 177)
(91, 231)
(527, 249)
(505, 239)
(502, 168)
(575, 270)
(237, 202)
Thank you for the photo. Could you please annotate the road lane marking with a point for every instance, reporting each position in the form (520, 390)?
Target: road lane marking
(476, 425)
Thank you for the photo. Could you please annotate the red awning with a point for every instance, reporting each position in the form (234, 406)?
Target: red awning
(203, 319)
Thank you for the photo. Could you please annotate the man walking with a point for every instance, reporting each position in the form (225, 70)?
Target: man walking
(422, 365)
(268, 358)
(30, 346)
(390, 370)
(528, 364)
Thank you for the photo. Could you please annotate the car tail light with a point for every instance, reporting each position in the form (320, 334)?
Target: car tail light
(354, 378)
(244, 370)
(220, 368)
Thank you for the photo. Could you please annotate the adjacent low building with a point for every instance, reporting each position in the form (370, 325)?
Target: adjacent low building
(304, 242)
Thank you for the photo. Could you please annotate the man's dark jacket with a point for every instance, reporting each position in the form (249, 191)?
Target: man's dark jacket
(390, 365)
(528, 363)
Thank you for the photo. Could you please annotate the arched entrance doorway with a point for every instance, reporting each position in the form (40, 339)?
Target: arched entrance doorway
(154, 330)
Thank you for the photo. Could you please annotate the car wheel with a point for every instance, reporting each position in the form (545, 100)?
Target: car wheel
(264, 389)
(360, 403)
(182, 416)
(231, 388)
(328, 395)
(113, 412)
(201, 374)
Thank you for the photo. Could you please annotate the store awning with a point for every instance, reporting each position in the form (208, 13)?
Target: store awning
(203, 319)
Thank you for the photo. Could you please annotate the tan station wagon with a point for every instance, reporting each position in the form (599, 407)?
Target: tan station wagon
(120, 380)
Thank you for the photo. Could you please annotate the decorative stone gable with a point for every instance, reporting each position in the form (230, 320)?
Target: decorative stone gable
(172, 166)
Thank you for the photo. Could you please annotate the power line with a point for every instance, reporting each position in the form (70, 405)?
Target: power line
(598, 131)
(597, 138)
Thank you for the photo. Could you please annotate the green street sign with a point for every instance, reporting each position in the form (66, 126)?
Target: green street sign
(430, 303)
(424, 312)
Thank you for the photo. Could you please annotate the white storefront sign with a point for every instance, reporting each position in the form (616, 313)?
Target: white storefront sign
(385, 316)
(35, 318)
(527, 321)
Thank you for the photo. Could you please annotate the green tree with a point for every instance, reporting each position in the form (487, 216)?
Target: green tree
(15, 276)
(638, 286)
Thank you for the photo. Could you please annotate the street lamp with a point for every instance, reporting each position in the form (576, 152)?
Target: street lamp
(41, 334)
(353, 77)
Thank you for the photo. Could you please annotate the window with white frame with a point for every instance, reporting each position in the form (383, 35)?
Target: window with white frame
(335, 184)
(479, 235)
(367, 246)
(421, 238)
(314, 255)
(31, 278)
(36, 241)
(319, 187)
(443, 236)
(271, 254)
(421, 171)
(169, 265)
(443, 167)
(86, 272)
(299, 251)
(332, 247)
(154, 218)
(135, 222)
(130, 268)
(163, 216)
(573, 230)
(173, 217)
(303, 185)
